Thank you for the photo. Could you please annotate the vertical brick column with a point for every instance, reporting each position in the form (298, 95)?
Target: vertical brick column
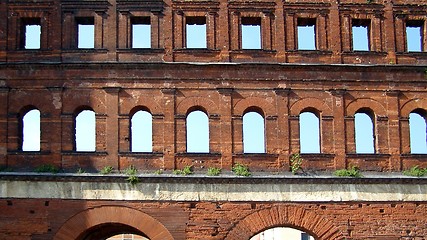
(350, 137)
(68, 132)
(4, 93)
(271, 130)
(211, 30)
(327, 136)
(112, 126)
(399, 28)
(68, 31)
(158, 130)
(393, 113)
(282, 109)
(290, 31)
(51, 137)
(237, 133)
(404, 135)
(381, 134)
(334, 30)
(124, 133)
(376, 34)
(178, 29)
(294, 134)
(123, 37)
(223, 34)
(169, 128)
(267, 32)
(226, 129)
(235, 41)
(156, 28)
(322, 39)
(346, 33)
(389, 32)
(339, 126)
(99, 30)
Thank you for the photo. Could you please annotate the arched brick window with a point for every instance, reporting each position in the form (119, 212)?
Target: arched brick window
(364, 131)
(197, 128)
(279, 232)
(85, 131)
(31, 130)
(141, 127)
(253, 133)
(417, 132)
(309, 130)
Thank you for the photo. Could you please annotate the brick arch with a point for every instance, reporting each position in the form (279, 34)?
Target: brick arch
(128, 107)
(360, 103)
(284, 216)
(92, 217)
(191, 102)
(267, 108)
(411, 105)
(313, 103)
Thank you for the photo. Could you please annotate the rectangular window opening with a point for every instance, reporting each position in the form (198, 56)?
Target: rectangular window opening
(30, 33)
(414, 35)
(306, 33)
(251, 32)
(141, 32)
(195, 28)
(361, 32)
(85, 32)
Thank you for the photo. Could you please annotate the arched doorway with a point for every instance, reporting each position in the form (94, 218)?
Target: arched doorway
(108, 221)
(282, 233)
(289, 216)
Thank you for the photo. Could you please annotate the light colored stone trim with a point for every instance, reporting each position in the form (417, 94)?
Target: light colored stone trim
(304, 192)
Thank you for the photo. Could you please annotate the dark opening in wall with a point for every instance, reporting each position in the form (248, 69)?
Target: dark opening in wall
(251, 33)
(195, 30)
(30, 33)
(85, 32)
(306, 33)
(414, 35)
(141, 32)
(360, 34)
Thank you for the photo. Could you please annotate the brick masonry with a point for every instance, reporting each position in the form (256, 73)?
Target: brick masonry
(225, 81)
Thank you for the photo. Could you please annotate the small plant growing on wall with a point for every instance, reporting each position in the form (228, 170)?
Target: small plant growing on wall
(47, 168)
(187, 170)
(415, 171)
(158, 172)
(213, 171)
(106, 170)
(296, 162)
(351, 172)
(241, 170)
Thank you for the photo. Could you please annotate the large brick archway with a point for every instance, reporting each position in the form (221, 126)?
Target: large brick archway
(286, 216)
(88, 219)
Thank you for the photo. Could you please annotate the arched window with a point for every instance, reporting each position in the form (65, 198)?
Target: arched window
(253, 133)
(279, 233)
(197, 124)
(364, 133)
(141, 132)
(309, 132)
(417, 133)
(31, 131)
(85, 138)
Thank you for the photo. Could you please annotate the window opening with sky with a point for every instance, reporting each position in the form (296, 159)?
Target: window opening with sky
(195, 32)
(85, 131)
(197, 128)
(309, 129)
(253, 133)
(306, 31)
(364, 133)
(142, 132)
(141, 32)
(85, 32)
(251, 32)
(30, 33)
(31, 131)
(414, 36)
(360, 34)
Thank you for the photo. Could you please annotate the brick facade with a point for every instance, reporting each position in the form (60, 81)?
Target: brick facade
(224, 81)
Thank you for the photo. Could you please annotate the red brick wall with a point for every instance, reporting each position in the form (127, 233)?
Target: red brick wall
(43, 219)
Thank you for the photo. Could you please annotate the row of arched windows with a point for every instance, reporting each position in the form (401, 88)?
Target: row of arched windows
(197, 132)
